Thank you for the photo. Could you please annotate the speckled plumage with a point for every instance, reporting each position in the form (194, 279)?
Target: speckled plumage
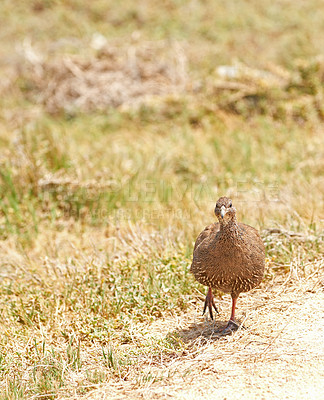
(228, 255)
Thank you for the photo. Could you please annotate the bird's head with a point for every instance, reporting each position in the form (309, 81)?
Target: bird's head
(224, 210)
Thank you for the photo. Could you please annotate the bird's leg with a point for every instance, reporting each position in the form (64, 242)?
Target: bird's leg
(234, 300)
(231, 325)
(210, 303)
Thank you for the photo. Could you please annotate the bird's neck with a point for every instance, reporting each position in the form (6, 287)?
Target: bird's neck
(230, 228)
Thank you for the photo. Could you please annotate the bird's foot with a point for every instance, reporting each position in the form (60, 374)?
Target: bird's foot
(231, 327)
(210, 303)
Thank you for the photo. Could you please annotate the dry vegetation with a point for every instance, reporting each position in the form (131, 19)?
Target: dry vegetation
(119, 128)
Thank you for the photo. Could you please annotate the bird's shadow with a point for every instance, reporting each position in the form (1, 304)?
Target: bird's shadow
(206, 331)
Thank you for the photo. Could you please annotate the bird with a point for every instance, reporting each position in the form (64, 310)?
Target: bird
(228, 256)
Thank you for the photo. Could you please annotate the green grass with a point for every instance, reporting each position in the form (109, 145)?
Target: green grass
(115, 296)
(99, 210)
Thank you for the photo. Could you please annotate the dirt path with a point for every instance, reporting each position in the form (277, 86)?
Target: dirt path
(289, 365)
(279, 355)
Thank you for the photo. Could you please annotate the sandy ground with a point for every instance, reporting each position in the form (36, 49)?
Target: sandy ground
(280, 354)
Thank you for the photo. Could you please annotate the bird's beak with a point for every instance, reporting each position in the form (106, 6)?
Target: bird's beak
(222, 211)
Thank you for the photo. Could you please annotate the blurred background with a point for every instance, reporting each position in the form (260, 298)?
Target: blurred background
(149, 112)
(121, 123)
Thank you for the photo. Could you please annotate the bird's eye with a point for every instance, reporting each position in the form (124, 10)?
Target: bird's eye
(230, 205)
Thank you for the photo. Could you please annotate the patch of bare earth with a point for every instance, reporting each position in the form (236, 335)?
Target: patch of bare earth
(279, 354)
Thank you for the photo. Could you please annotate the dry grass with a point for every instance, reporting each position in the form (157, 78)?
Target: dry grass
(272, 358)
(142, 335)
(116, 75)
(118, 131)
(139, 73)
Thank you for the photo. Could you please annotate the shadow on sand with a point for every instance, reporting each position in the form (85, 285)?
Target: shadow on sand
(208, 330)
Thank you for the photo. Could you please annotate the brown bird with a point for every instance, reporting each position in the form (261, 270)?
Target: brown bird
(229, 256)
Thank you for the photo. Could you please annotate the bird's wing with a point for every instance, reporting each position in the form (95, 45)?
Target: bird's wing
(254, 233)
(209, 230)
